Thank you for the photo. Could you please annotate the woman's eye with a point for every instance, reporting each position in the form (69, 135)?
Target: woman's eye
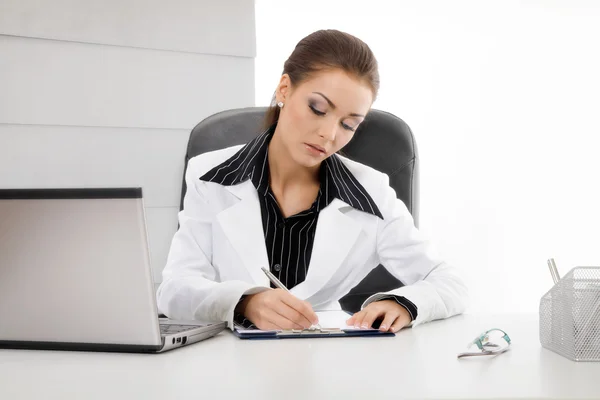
(319, 113)
(348, 128)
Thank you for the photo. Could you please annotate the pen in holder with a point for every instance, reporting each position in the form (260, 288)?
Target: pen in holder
(570, 314)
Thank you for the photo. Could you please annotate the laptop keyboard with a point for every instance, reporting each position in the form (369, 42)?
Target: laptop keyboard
(168, 329)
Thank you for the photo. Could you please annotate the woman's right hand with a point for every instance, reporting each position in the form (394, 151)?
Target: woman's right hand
(278, 309)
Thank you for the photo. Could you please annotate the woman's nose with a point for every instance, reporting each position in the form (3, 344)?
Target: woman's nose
(328, 132)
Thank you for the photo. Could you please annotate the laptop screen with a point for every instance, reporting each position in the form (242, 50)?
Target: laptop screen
(74, 267)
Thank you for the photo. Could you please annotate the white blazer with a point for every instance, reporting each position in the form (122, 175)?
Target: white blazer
(217, 254)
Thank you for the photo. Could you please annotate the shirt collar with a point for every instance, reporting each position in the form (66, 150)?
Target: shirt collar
(340, 183)
(250, 162)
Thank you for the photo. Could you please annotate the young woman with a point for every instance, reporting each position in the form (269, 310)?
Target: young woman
(318, 221)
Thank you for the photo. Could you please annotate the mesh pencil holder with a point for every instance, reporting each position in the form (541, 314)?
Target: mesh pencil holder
(570, 315)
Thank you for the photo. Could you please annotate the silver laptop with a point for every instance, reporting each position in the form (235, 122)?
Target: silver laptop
(75, 274)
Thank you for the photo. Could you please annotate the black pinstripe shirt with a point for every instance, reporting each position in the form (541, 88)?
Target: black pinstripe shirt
(289, 241)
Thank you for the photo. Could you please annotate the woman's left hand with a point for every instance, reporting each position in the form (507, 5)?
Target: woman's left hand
(395, 317)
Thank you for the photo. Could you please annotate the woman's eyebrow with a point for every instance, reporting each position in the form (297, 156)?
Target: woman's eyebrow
(333, 105)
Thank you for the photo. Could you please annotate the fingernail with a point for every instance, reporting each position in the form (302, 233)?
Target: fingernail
(383, 327)
(364, 326)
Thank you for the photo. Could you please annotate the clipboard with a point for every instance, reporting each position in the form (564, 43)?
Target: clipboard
(244, 333)
(307, 334)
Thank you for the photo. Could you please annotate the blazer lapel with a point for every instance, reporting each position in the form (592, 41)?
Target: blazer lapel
(335, 237)
(242, 224)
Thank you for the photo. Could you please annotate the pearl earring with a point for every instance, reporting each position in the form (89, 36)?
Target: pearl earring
(280, 104)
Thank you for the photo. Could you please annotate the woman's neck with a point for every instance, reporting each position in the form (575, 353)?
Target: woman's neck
(286, 172)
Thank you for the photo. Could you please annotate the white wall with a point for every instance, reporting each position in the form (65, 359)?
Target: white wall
(503, 97)
(106, 93)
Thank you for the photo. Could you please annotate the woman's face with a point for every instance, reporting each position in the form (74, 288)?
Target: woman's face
(320, 115)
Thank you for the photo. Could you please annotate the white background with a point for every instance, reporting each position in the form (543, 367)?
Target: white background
(504, 100)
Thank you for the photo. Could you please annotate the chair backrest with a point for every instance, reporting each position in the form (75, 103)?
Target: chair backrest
(383, 141)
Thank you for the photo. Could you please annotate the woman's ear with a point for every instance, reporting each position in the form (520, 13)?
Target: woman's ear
(284, 88)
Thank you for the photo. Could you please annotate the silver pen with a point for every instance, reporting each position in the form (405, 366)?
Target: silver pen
(553, 270)
(280, 285)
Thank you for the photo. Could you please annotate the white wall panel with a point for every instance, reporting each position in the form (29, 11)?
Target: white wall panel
(104, 94)
(161, 223)
(198, 26)
(61, 83)
(63, 156)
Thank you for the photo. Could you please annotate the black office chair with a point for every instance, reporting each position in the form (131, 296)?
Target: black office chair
(383, 141)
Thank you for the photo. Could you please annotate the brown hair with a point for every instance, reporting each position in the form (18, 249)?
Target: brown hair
(328, 49)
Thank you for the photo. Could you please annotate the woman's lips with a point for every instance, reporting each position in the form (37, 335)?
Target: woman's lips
(315, 149)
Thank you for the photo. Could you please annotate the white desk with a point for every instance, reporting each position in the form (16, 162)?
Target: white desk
(417, 363)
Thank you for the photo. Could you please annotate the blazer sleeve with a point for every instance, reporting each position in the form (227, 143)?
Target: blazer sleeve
(190, 289)
(432, 285)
